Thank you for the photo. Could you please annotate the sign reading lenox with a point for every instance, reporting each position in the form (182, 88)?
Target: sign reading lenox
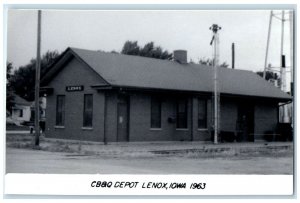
(74, 88)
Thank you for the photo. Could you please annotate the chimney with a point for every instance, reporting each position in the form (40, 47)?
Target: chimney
(180, 56)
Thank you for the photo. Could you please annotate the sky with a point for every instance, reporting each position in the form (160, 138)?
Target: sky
(181, 29)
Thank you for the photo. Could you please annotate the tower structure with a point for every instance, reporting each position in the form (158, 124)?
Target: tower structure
(284, 115)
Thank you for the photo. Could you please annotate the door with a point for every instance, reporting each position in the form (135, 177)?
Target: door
(122, 129)
(245, 122)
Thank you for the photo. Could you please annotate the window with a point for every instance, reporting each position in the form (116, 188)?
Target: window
(181, 114)
(21, 113)
(88, 110)
(60, 110)
(202, 113)
(155, 113)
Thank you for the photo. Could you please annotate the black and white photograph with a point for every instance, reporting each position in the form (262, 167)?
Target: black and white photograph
(160, 92)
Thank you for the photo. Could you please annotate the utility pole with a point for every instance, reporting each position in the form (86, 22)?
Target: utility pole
(282, 60)
(291, 17)
(37, 82)
(291, 50)
(285, 118)
(268, 43)
(215, 42)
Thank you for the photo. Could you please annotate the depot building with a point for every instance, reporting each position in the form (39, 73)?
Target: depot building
(110, 97)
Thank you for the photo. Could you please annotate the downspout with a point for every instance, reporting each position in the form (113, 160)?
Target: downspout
(105, 118)
(128, 117)
(192, 119)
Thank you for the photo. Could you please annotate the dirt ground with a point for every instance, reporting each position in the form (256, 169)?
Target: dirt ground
(19, 160)
(81, 157)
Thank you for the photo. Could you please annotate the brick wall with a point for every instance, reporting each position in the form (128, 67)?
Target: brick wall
(140, 114)
(202, 134)
(140, 123)
(229, 112)
(265, 119)
(111, 116)
(75, 73)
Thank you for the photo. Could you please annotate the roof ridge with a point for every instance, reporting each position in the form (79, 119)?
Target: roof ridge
(145, 72)
(156, 59)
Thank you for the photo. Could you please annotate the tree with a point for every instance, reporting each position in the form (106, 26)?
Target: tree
(269, 75)
(149, 50)
(209, 62)
(47, 60)
(206, 62)
(23, 79)
(131, 48)
(114, 52)
(9, 89)
(224, 65)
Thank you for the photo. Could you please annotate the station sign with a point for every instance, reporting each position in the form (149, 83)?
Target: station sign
(74, 88)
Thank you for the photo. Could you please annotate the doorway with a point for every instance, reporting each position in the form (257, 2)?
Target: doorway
(245, 122)
(123, 118)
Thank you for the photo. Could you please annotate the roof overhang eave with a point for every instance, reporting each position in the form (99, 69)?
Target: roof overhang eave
(278, 99)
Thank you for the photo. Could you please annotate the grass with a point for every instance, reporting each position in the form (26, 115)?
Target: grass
(15, 127)
(19, 137)
(135, 150)
(245, 154)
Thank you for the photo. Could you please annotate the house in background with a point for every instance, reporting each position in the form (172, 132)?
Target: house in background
(21, 110)
(108, 97)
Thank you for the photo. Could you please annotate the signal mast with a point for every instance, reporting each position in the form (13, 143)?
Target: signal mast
(215, 42)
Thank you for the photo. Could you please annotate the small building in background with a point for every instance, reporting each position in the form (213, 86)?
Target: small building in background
(21, 110)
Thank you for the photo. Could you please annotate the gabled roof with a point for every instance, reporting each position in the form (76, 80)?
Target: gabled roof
(141, 72)
(20, 101)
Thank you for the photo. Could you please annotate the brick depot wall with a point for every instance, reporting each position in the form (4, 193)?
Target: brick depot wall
(111, 116)
(184, 134)
(265, 119)
(75, 73)
(202, 134)
(140, 115)
(228, 115)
